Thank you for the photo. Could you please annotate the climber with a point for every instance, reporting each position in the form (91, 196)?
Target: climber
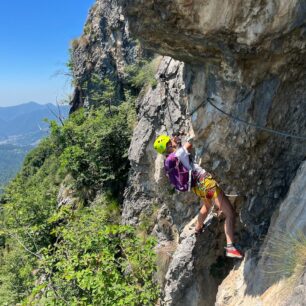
(185, 175)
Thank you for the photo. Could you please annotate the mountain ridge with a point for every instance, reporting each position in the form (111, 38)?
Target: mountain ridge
(28, 117)
(21, 128)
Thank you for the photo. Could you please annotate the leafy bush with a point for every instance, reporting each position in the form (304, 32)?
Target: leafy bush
(95, 262)
(75, 256)
(101, 91)
(94, 148)
(142, 73)
(16, 278)
(27, 203)
(78, 254)
(74, 43)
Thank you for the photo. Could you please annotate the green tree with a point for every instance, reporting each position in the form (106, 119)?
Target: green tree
(77, 254)
(96, 262)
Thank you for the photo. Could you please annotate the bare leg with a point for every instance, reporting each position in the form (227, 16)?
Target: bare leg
(224, 204)
(206, 205)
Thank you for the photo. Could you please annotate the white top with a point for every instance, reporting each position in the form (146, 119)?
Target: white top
(184, 157)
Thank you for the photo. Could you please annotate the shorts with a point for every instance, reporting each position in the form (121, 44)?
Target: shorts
(207, 188)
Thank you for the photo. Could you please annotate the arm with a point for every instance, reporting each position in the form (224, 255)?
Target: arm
(188, 146)
(177, 141)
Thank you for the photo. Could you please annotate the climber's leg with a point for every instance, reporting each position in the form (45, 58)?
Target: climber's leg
(206, 206)
(223, 203)
(226, 207)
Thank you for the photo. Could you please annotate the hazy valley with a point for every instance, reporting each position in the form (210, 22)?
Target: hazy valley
(21, 128)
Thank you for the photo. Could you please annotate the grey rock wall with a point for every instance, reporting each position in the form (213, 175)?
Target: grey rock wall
(104, 49)
(193, 30)
(249, 57)
(278, 278)
(264, 90)
(164, 110)
(160, 110)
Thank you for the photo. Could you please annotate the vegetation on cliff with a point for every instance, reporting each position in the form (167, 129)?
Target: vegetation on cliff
(76, 253)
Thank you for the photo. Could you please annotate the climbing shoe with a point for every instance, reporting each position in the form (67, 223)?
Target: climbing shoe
(233, 252)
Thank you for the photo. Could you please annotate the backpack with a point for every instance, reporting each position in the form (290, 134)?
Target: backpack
(180, 177)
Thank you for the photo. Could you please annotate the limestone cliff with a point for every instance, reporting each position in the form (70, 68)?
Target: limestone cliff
(104, 49)
(249, 58)
(263, 282)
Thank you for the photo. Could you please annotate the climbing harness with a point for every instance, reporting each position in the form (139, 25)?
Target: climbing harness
(207, 188)
(277, 132)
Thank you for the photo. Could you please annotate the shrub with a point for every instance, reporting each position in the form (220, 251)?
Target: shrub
(87, 29)
(74, 43)
(96, 262)
(142, 73)
(101, 92)
(83, 42)
(70, 63)
(91, 148)
(285, 253)
(27, 203)
(94, 151)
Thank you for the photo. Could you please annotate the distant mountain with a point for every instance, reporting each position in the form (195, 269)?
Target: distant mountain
(10, 112)
(21, 128)
(28, 118)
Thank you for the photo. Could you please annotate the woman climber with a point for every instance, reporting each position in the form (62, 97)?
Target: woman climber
(185, 175)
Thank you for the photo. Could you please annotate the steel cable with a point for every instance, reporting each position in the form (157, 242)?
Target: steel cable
(277, 132)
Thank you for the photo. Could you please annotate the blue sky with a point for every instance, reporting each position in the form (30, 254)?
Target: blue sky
(35, 38)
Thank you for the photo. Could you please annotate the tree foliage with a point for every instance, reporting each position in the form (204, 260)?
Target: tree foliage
(142, 73)
(93, 148)
(94, 262)
(75, 255)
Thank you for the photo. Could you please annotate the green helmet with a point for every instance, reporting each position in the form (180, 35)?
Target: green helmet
(160, 144)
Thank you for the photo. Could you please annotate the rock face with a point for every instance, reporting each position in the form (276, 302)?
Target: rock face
(193, 30)
(104, 49)
(279, 276)
(246, 77)
(163, 110)
(189, 280)
(159, 111)
(249, 58)
(236, 67)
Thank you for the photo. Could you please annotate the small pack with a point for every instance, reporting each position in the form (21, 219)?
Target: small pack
(180, 177)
